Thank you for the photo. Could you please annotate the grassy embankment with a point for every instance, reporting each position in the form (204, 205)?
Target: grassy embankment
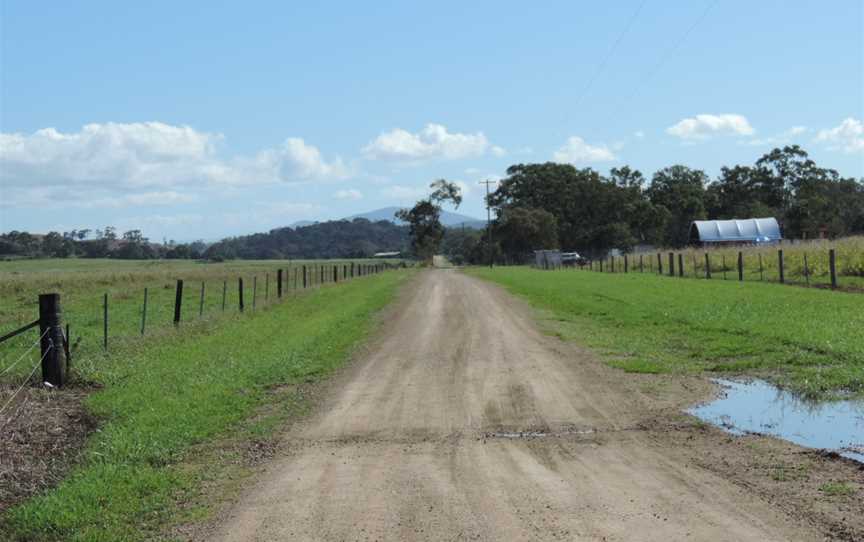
(82, 283)
(164, 396)
(807, 340)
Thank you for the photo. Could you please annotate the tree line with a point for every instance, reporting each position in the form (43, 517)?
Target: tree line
(358, 238)
(553, 205)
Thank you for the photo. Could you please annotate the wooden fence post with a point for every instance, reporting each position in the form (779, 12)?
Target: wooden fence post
(335, 274)
(240, 292)
(144, 313)
(780, 266)
(806, 270)
(641, 264)
(723, 263)
(761, 268)
(740, 266)
(707, 266)
(671, 264)
(105, 321)
(659, 264)
(680, 265)
(626, 264)
(254, 290)
(178, 301)
(266, 287)
(832, 266)
(279, 283)
(612, 264)
(201, 301)
(52, 344)
(224, 293)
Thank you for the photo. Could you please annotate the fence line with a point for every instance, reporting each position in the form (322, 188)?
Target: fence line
(748, 265)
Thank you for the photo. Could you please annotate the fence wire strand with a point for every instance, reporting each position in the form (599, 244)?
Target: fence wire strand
(26, 380)
(32, 346)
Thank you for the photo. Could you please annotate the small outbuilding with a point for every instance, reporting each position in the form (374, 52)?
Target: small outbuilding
(750, 230)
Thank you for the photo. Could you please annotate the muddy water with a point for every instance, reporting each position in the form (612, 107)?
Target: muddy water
(759, 407)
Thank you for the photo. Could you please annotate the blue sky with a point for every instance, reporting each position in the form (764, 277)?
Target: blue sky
(206, 119)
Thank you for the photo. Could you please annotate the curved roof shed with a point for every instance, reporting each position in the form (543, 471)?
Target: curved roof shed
(751, 230)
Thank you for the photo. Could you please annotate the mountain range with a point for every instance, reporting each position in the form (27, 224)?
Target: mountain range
(448, 218)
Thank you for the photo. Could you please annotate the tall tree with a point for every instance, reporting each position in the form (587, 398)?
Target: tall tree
(424, 224)
(681, 191)
(523, 230)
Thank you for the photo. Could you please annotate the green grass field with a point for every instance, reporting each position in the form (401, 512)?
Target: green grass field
(164, 395)
(808, 340)
(83, 282)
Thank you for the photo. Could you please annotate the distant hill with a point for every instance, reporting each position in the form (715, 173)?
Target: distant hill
(448, 218)
(331, 239)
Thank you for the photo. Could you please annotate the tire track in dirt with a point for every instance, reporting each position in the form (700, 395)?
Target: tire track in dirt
(463, 422)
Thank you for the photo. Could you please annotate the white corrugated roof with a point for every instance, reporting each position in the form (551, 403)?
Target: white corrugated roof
(748, 230)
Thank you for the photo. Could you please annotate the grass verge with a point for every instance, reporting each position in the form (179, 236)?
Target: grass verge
(162, 400)
(809, 341)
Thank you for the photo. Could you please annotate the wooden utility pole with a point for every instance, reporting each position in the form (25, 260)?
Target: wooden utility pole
(488, 182)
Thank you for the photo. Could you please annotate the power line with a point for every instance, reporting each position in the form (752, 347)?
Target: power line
(672, 50)
(602, 66)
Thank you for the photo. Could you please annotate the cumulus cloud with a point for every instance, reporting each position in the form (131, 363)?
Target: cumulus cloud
(705, 125)
(577, 151)
(848, 136)
(104, 162)
(782, 138)
(433, 141)
(349, 193)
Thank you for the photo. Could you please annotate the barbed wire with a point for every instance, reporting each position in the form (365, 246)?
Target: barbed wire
(29, 377)
(32, 346)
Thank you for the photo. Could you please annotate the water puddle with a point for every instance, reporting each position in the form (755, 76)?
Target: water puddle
(759, 407)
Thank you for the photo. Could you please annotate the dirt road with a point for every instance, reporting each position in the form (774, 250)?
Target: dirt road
(463, 422)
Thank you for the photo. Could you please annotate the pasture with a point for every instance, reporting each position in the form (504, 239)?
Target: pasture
(807, 340)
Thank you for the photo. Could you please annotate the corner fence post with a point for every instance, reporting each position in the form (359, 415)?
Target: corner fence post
(780, 266)
(178, 301)
(832, 264)
(51, 343)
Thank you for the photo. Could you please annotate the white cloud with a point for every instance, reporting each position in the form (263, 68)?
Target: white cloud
(104, 162)
(782, 138)
(848, 136)
(639, 134)
(498, 151)
(433, 141)
(704, 126)
(349, 193)
(576, 151)
(404, 193)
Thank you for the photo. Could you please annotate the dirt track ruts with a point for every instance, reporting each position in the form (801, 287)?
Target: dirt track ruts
(463, 422)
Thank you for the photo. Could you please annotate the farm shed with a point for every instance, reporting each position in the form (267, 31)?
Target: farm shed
(751, 230)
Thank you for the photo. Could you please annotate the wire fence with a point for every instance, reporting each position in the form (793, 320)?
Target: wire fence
(838, 266)
(101, 322)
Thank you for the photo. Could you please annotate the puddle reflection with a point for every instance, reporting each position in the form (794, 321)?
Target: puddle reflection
(759, 407)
